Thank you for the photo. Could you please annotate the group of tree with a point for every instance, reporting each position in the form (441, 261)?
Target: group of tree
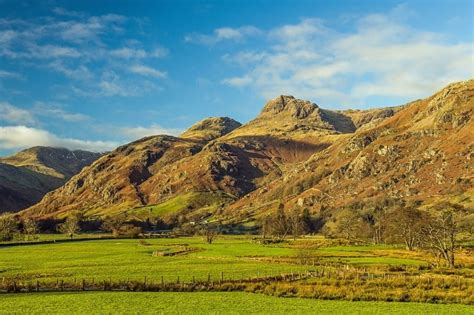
(438, 229)
(282, 223)
(11, 227)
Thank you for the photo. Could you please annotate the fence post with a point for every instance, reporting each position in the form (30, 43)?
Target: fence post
(62, 285)
(178, 280)
(208, 277)
(14, 286)
(162, 280)
(83, 285)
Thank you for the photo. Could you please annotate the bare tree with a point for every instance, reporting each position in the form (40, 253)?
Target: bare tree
(30, 228)
(280, 226)
(404, 224)
(347, 225)
(114, 224)
(442, 229)
(296, 223)
(8, 226)
(266, 226)
(209, 233)
(70, 226)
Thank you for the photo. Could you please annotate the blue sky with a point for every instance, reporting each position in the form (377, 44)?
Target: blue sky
(96, 74)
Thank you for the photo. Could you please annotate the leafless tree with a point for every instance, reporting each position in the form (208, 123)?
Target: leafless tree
(30, 228)
(70, 226)
(8, 226)
(441, 230)
(404, 224)
(114, 224)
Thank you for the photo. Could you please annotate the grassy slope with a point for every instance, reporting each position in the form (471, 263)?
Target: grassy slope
(120, 259)
(205, 303)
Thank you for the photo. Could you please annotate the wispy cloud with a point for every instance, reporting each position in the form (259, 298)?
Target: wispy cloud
(147, 71)
(140, 132)
(83, 48)
(13, 114)
(54, 110)
(382, 56)
(223, 34)
(238, 81)
(20, 137)
(10, 75)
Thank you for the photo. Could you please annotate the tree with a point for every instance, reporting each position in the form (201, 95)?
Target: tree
(30, 228)
(280, 226)
(441, 230)
(266, 226)
(70, 226)
(295, 224)
(404, 224)
(346, 225)
(8, 226)
(209, 233)
(114, 224)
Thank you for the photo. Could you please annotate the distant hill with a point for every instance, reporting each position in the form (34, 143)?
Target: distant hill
(28, 175)
(293, 152)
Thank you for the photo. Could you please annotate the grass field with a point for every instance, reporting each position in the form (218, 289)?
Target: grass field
(237, 257)
(366, 273)
(125, 258)
(204, 303)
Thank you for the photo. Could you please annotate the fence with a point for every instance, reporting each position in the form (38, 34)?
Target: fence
(225, 281)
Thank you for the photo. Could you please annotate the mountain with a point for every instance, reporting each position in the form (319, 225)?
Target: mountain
(293, 152)
(28, 175)
(421, 153)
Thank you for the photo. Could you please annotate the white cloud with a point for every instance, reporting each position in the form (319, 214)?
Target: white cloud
(238, 81)
(13, 114)
(83, 48)
(129, 53)
(382, 56)
(140, 132)
(244, 57)
(223, 34)
(147, 71)
(80, 72)
(9, 75)
(19, 137)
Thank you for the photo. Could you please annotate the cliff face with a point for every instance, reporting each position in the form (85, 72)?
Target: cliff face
(28, 175)
(294, 152)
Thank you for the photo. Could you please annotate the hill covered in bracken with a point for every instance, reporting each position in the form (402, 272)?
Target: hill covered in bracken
(293, 152)
(28, 175)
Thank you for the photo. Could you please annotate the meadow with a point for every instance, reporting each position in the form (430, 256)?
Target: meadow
(375, 274)
(204, 303)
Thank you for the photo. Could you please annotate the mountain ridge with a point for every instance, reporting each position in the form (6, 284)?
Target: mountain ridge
(291, 143)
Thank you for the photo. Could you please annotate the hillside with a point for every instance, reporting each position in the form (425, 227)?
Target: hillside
(28, 175)
(294, 152)
(423, 153)
(217, 160)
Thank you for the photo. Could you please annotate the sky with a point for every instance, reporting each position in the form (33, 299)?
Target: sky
(96, 74)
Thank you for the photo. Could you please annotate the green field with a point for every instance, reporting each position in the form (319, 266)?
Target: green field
(127, 258)
(233, 257)
(204, 303)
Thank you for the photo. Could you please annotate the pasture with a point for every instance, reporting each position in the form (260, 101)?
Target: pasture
(374, 274)
(205, 303)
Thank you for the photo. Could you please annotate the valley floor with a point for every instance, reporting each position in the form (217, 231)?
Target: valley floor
(205, 303)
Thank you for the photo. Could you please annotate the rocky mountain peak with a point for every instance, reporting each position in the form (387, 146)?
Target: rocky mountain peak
(286, 103)
(211, 128)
